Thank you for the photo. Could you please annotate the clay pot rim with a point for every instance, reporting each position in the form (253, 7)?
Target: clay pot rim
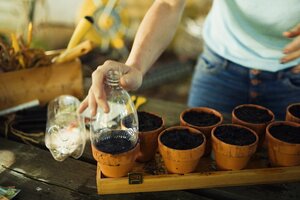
(232, 145)
(195, 131)
(256, 106)
(202, 109)
(270, 136)
(288, 109)
(154, 130)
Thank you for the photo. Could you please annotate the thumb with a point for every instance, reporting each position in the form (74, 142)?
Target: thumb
(132, 80)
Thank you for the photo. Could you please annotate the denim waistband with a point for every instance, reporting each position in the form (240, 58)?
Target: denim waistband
(239, 69)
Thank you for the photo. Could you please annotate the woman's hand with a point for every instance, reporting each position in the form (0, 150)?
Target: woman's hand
(130, 80)
(292, 50)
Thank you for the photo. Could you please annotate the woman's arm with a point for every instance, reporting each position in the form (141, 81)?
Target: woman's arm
(155, 33)
(153, 36)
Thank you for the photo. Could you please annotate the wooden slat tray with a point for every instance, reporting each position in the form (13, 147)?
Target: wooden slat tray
(156, 177)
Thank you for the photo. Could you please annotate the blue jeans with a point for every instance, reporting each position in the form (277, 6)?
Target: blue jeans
(221, 84)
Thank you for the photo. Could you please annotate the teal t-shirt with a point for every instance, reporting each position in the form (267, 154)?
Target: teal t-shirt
(249, 32)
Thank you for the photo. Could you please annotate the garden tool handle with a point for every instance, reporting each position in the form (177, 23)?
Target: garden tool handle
(77, 51)
(81, 29)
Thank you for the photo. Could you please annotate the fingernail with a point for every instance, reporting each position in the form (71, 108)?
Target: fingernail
(282, 61)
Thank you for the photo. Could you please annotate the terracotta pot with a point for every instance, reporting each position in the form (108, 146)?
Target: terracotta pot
(181, 161)
(206, 130)
(229, 156)
(116, 165)
(290, 116)
(259, 128)
(282, 153)
(148, 141)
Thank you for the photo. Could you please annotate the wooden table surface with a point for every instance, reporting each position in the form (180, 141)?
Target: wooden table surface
(39, 176)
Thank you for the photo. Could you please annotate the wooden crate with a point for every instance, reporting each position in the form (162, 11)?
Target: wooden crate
(42, 83)
(156, 178)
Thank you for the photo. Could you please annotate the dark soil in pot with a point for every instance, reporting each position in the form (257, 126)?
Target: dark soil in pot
(295, 110)
(200, 118)
(181, 139)
(116, 142)
(235, 135)
(286, 133)
(148, 122)
(253, 114)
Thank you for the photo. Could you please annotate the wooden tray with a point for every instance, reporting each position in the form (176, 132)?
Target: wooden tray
(156, 178)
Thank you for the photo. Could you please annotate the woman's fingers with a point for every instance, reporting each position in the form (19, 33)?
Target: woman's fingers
(92, 103)
(291, 51)
(84, 105)
(102, 102)
(97, 82)
(291, 56)
(292, 46)
(293, 32)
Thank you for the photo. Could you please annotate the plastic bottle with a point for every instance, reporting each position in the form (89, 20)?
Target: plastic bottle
(117, 131)
(65, 130)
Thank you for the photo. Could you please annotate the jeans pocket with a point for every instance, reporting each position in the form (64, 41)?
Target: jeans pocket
(210, 65)
(293, 80)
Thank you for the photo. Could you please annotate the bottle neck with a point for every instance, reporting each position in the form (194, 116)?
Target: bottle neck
(112, 78)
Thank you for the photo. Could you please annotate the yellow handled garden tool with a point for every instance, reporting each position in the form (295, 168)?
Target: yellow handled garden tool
(75, 48)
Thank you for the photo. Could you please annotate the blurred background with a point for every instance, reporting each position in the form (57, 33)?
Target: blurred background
(54, 22)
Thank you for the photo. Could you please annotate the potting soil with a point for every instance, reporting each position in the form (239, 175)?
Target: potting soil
(295, 110)
(252, 114)
(148, 122)
(286, 133)
(181, 139)
(201, 118)
(235, 135)
(118, 142)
